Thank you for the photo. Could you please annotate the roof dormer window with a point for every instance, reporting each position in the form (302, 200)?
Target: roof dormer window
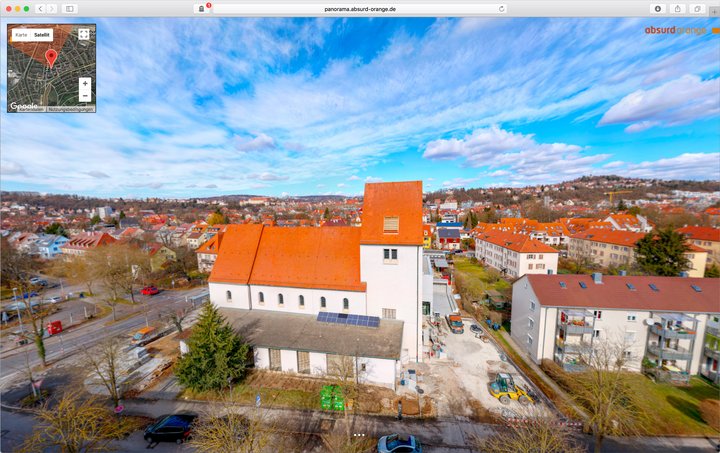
(391, 225)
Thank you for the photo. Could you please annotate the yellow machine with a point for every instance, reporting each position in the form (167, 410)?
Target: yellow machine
(504, 389)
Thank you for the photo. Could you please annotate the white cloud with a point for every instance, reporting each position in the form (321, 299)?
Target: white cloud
(679, 101)
(267, 177)
(482, 142)
(698, 166)
(12, 168)
(97, 174)
(211, 186)
(373, 179)
(258, 143)
(341, 184)
(458, 182)
(354, 178)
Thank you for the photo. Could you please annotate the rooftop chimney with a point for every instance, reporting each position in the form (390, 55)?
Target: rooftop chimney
(623, 273)
(597, 278)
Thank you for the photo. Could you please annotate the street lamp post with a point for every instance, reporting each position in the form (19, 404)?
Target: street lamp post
(17, 306)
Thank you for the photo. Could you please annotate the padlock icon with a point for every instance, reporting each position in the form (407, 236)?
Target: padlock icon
(201, 8)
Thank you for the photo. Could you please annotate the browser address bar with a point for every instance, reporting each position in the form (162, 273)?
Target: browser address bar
(360, 9)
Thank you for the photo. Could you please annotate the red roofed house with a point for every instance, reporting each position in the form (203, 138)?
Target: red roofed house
(629, 222)
(309, 298)
(616, 248)
(666, 320)
(80, 244)
(706, 238)
(515, 254)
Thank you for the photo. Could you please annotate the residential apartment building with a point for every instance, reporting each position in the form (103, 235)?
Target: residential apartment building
(80, 244)
(615, 248)
(48, 246)
(706, 238)
(448, 239)
(207, 253)
(427, 236)
(307, 298)
(515, 254)
(662, 319)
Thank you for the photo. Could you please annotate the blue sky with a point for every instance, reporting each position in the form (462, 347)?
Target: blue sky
(279, 106)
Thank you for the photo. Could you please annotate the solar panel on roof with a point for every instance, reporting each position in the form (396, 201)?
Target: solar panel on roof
(630, 286)
(583, 285)
(348, 319)
(563, 285)
(696, 288)
(653, 287)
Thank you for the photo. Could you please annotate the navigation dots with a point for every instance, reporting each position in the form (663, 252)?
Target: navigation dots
(51, 55)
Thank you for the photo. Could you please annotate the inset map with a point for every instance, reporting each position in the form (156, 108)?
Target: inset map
(51, 68)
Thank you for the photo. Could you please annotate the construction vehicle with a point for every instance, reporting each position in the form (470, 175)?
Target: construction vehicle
(505, 389)
(455, 323)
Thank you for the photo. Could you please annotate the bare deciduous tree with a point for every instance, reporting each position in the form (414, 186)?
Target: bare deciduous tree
(104, 361)
(223, 430)
(75, 424)
(343, 370)
(539, 433)
(605, 392)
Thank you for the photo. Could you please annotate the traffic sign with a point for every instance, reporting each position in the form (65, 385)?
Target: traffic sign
(257, 400)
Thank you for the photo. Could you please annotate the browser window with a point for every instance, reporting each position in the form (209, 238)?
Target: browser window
(363, 189)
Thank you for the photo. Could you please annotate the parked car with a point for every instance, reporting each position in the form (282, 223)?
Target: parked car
(474, 328)
(149, 291)
(170, 428)
(396, 443)
(143, 336)
(53, 300)
(26, 295)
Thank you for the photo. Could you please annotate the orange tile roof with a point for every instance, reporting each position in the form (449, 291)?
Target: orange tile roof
(392, 199)
(515, 242)
(212, 245)
(327, 258)
(701, 233)
(616, 237)
(235, 263)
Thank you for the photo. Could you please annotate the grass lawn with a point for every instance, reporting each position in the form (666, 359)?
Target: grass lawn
(291, 398)
(675, 409)
(480, 278)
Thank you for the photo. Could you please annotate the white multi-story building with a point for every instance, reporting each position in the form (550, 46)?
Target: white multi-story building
(515, 254)
(662, 319)
(306, 297)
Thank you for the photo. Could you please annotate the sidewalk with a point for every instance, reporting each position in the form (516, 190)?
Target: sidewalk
(454, 433)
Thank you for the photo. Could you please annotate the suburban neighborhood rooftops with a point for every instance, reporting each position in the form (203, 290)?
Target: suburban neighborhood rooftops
(516, 242)
(301, 332)
(672, 294)
(701, 233)
(616, 237)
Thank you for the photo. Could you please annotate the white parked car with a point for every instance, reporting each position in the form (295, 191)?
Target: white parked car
(53, 300)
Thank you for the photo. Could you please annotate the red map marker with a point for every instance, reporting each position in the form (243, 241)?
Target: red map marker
(51, 55)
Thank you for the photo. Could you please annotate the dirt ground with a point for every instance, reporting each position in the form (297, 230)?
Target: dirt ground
(459, 383)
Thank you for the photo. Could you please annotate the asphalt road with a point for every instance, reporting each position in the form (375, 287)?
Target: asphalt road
(131, 317)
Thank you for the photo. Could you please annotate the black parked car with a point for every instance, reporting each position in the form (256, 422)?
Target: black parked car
(170, 428)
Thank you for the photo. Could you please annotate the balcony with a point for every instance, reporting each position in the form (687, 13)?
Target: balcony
(576, 329)
(714, 331)
(680, 333)
(710, 352)
(669, 353)
(571, 347)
